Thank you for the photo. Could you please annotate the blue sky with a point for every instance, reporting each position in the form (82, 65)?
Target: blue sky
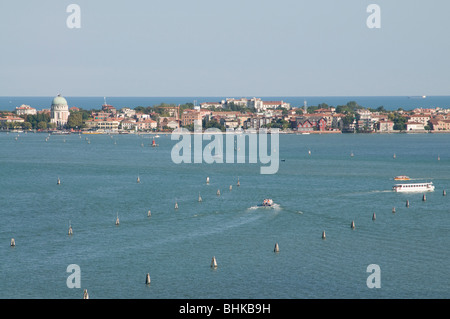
(224, 48)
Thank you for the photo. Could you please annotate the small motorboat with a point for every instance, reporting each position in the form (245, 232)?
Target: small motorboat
(266, 203)
(401, 178)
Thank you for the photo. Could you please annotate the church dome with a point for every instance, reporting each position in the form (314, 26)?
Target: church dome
(59, 100)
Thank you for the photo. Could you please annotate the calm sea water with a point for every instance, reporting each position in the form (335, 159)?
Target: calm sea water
(88, 103)
(322, 191)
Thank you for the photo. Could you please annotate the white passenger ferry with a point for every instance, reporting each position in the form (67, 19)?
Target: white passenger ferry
(416, 187)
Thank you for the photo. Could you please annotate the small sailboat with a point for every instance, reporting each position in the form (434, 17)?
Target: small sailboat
(85, 294)
(352, 224)
(117, 220)
(13, 242)
(147, 279)
(374, 216)
(351, 154)
(214, 262)
(276, 248)
(138, 179)
(149, 213)
(70, 229)
(218, 192)
(58, 182)
(199, 198)
(394, 156)
(238, 183)
(154, 143)
(176, 205)
(323, 235)
(207, 180)
(231, 187)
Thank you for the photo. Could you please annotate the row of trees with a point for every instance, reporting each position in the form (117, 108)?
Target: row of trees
(36, 122)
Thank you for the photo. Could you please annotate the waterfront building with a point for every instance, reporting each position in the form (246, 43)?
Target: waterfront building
(25, 110)
(256, 122)
(189, 117)
(110, 124)
(328, 116)
(146, 125)
(174, 124)
(310, 123)
(169, 122)
(128, 124)
(59, 111)
(414, 126)
(440, 124)
(338, 122)
(11, 119)
(385, 126)
(420, 118)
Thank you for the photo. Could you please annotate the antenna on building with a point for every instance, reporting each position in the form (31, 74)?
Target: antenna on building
(305, 107)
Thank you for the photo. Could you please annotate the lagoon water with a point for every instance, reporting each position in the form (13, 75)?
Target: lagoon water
(326, 190)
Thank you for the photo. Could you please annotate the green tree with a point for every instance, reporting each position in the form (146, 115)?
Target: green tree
(75, 120)
(42, 125)
(26, 125)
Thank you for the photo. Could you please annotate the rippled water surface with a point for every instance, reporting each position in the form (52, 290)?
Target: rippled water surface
(324, 191)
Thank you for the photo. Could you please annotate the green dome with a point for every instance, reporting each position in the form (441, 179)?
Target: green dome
(59, 100)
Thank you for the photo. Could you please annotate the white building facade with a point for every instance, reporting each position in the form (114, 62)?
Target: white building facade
(59, 111)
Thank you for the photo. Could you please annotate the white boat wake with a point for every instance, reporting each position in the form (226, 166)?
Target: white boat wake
(274, 206)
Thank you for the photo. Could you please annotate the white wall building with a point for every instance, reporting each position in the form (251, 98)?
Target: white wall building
(59, 111)
(25, 110)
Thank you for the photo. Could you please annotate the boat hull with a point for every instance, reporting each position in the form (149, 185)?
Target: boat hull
(413, 188)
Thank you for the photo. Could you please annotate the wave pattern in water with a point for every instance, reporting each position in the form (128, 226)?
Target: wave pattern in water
(321, 192)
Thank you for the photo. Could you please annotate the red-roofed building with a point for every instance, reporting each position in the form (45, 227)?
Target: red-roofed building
(146, 125)
(11, 119)
(25, 110)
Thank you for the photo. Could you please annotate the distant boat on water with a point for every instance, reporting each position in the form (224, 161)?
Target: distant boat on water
(417, 97)
(410, 188)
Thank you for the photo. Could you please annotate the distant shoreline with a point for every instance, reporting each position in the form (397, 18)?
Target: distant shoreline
(224, 133)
